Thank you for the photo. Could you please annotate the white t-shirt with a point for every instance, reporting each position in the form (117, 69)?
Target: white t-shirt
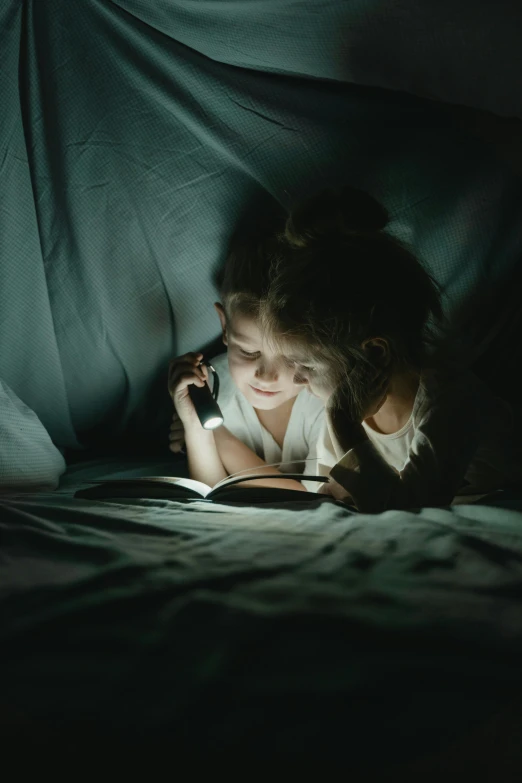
(458, 444)
(302, 434)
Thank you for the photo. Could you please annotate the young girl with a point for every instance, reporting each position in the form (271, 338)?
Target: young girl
(350, 306)
(269, 414)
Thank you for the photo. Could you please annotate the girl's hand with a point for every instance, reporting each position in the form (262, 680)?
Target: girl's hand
(343, 404)
(377, 393)
(336, 491)
(345, 413)
(184, 371)
(325, 489)
(176, 434)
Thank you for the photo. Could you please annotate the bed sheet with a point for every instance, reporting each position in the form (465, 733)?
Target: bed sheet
(270, 631)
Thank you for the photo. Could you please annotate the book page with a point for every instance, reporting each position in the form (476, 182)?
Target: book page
(234, 482)
(197, 486)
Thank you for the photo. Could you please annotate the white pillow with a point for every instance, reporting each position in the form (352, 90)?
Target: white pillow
(29, 461)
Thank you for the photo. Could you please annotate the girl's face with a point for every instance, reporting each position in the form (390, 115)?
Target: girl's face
(313, 370)
(264, 376)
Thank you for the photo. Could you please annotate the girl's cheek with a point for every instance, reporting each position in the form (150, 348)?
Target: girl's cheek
(234, 359)
(239, 365)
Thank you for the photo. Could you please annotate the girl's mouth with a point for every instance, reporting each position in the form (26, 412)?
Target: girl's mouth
(264, 393)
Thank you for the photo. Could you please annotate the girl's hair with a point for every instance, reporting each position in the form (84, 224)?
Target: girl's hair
(338, 278)
(245, 277)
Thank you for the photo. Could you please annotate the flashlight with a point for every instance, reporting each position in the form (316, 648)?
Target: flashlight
(205, 402)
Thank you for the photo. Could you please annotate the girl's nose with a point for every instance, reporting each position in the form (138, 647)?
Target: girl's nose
(267, 372)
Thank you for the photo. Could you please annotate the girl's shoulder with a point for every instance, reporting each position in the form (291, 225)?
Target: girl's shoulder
(450, 389)
(450, 379)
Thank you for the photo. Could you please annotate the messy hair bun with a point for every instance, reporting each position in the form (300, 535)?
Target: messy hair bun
(336, 237)
(334, 214)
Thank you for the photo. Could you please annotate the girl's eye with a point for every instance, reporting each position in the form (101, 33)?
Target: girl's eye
(250, 355)
(298, 366)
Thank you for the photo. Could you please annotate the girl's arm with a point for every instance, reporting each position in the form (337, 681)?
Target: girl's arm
(445, 441)
(203, 458)
(235, 456)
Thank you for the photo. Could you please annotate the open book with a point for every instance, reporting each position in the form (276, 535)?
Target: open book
(227, 491)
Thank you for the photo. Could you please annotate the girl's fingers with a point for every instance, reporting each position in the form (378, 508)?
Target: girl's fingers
(189, 362)
(176, 447)
(338, 492)
(176, 437)
(185, 369)
(324, 489)
(186, 379)
(188, 358)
